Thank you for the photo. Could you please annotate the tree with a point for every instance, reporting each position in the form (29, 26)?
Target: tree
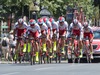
(56, 7)
(15, 6)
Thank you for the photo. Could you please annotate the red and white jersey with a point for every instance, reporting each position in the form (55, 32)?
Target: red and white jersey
(55, 27)
(16, 26)
(63, 28)
(35, 29)
(44, 28)
(88, 30)
(20, 29)
(76, 28)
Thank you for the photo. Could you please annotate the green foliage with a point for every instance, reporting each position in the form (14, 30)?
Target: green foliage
(56, 7)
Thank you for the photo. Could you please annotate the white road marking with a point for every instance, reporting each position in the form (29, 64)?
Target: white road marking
(44, 68)
(10, 73)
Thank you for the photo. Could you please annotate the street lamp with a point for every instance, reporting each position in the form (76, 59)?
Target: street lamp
(35, 9)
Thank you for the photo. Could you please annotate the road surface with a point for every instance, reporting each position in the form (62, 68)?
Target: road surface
(50, 69)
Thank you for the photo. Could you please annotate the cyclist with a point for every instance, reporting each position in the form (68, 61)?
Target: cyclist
(34, 31)
(55, 33)
(88, 33)
(44, 32)
(63, 28)
(49, 35)
(20, 29)
(76, 28)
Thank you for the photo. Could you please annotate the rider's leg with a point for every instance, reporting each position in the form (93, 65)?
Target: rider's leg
(16, 50)
(43, 41)
(24, 49)
(91, 50)
(37, 51)
(80, 44)
(80, 47)
(49, 43)
(54, 46)
(62, 44)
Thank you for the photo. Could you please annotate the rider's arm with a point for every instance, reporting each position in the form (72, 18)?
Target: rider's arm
(27, 32)
(46, 29)
(50, 26)
(39, 30)
(25, 27)
(69, 31)
(66, 26)
(57, 28)
(81, 31)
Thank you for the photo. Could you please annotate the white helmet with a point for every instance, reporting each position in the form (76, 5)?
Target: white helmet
(85, 24)
(20, 21)
(75, 21)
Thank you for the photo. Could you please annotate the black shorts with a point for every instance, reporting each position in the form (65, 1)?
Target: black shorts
(12, 46)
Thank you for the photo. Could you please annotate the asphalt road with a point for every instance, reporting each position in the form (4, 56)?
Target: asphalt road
(50, 69)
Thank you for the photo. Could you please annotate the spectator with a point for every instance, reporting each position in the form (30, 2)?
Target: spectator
(5, 47)
(12, 44)
(81, 15)
(76, 14)
(85, 19)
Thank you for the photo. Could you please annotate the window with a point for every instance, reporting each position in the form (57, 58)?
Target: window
(96, 34)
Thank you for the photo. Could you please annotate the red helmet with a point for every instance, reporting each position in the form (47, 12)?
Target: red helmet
(45, 19)
(61, 19)
(51, 20)
(85, 24)
(32, 22)
(20, 21)
(40, 21)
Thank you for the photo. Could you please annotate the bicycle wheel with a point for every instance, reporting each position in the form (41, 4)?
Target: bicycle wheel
(56, 57)
(31, 61)
(88, 57)
(47, 59)
(44, 57)
(40, 54)
(50, 58)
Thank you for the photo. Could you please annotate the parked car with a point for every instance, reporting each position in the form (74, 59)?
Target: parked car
(96, 44)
